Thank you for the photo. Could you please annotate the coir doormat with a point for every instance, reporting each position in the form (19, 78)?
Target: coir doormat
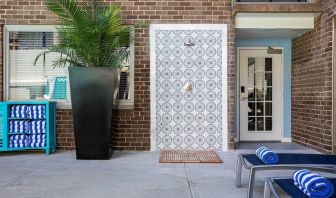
(181, 156)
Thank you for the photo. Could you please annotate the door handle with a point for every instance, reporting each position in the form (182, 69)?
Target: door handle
(244, 98)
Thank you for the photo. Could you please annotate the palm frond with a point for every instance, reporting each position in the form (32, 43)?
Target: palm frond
(69, 12)
(113, 15)
(62, 51)
(91, 33)
(61, 62)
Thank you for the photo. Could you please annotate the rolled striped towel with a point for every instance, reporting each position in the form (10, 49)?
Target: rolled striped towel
(38, 126)
(20, 111)
(312, 184)
(18, 141)
(12, 126)
(38, 144)
(37, 111)
(37, 137)
(267, 156)
(23, 141)
(17, 137)
(13, 145)
(37, 140)
(12, 115)
(19, 126)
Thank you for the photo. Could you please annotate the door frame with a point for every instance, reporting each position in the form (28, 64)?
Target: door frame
(225, 119)
(282, 139)
(334, 86)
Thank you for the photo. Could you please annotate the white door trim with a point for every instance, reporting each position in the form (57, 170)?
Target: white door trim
(153, 28)
(237, 139)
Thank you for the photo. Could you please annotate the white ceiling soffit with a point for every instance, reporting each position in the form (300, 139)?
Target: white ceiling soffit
(275, 20)
(249, 33)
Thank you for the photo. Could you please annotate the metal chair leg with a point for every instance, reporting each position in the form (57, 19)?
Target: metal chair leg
(251, 183)
(267, 191)
(238, 172)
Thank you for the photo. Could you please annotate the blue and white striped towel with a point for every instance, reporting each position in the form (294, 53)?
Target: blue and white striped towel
(37, 140)
(19, 126)
(267, 156)
(312, 184)
(37, 126)
(37, 111)
(38, 144)
(12, 145)
(17, 141)
(17, 137)
(37, 137)
(21, 141)
(17, 145)
(20, 111)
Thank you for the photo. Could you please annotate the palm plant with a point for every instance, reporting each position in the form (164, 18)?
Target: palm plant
(91, 34)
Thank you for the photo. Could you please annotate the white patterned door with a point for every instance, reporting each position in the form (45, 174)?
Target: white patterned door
(188, 89)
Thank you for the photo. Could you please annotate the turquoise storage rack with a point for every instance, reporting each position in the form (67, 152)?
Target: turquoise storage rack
(46, 133)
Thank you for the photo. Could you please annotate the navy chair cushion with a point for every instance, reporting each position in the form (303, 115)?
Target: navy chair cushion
(294, 158)
(289, 187)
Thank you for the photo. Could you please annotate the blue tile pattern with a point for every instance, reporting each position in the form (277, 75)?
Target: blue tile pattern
(189, 120)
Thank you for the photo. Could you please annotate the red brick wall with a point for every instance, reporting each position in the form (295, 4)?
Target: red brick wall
(131, 128)
(312, 83)
(65, 133)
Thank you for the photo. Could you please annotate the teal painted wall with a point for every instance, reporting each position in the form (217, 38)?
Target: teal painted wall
(286, 44)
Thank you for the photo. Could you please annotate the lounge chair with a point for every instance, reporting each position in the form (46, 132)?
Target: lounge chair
(287, 185)
(287, 161)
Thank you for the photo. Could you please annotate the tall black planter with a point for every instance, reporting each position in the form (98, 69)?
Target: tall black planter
(92, 100)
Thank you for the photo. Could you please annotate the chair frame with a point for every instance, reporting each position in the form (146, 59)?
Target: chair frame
(254, 168)
(269, 188)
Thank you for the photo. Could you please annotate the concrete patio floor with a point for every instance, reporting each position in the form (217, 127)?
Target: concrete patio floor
(127, 175)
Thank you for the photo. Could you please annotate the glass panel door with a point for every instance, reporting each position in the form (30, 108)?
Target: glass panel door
(260, 98)
(260, 76)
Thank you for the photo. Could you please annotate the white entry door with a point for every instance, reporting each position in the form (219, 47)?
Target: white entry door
(188, 87)
(260, 95)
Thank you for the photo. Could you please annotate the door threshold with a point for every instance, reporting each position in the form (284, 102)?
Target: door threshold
(259, 141)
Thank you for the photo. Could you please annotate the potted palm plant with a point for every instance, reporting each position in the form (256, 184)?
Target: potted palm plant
(92, 42)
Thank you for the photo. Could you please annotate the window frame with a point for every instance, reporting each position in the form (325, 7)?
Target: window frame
(128, 103)
(119, 104)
